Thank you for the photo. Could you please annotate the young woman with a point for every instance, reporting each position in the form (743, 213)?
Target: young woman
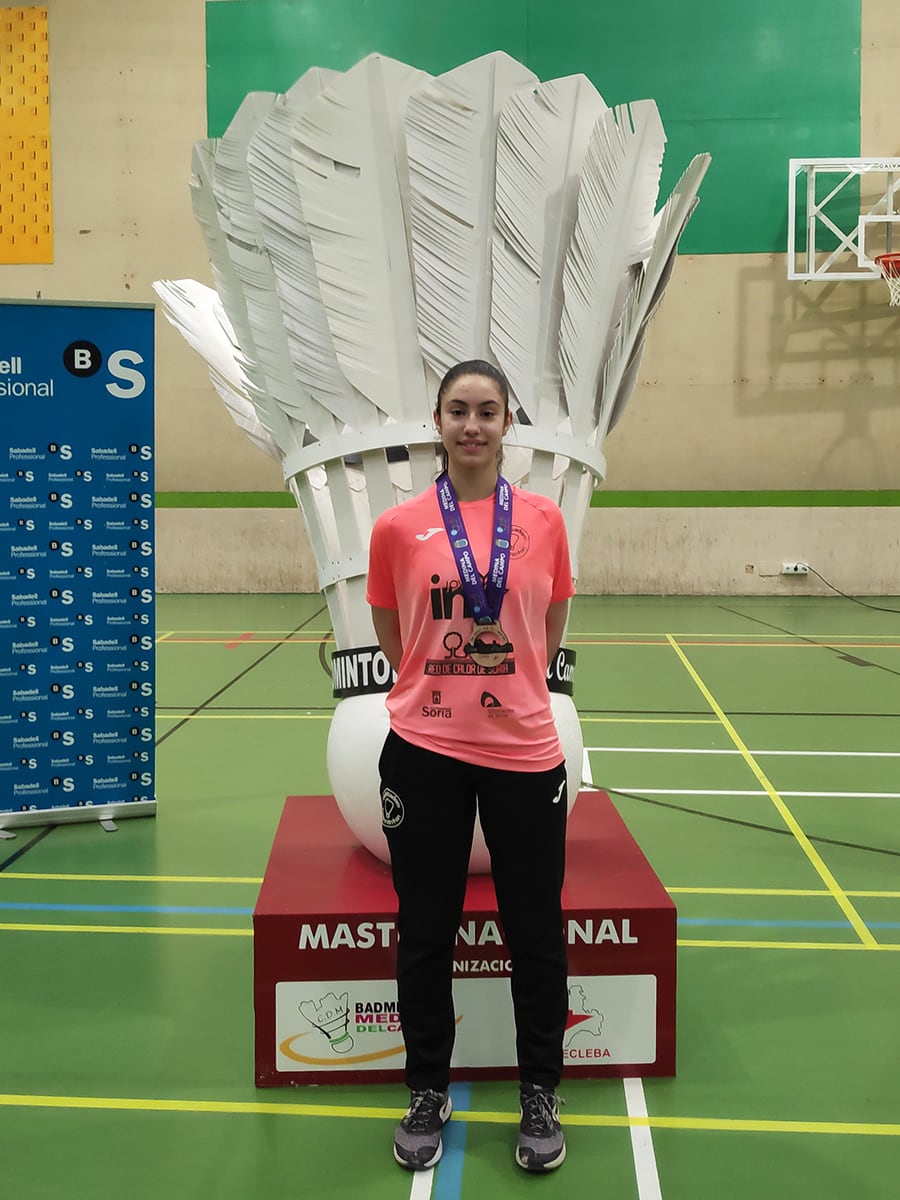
(469, 585)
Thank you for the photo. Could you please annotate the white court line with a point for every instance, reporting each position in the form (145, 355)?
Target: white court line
(833, 753)
(684, 791)
(651, 750)
(641, 1138)
(586, 777)
(847, 795)
(759, 792)
(421, 1184)
(755, 753)
(645, 1170)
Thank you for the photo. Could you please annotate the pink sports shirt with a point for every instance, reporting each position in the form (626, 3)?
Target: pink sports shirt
(487, 702)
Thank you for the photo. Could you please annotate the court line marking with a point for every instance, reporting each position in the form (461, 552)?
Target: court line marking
(652, 639)
(645, 1169)
(602, 637)
(208, 911)
(590, 1120)
(326, 716)
(257, 880)
(244, 716)
(787, 816)
(572, 636)
(741, 645)
(448, 1182)
(201, 910)
(756, 753)
(232, 931)
(163, 930)
(737, 891)
(421, 1184)
(648, 720)
(645, 791)
(735, 945)
(251, 639)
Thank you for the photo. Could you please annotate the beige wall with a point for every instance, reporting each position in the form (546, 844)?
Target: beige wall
(748, 382)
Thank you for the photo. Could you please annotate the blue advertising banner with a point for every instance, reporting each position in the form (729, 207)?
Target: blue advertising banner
(77, 614)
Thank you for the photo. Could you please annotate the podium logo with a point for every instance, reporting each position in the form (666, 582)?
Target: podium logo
(583, 1036)
(334, 1023)
(331, 1016)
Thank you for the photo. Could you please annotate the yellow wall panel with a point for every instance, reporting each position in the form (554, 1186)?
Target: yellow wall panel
(26, 216)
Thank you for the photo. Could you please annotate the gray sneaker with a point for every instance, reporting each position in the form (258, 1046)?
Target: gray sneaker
(541, 1143)
(417, 1139)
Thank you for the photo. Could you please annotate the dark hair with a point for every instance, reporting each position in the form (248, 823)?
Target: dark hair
(475, 366)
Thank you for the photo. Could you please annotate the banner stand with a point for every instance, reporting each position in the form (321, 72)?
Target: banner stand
(77, 599)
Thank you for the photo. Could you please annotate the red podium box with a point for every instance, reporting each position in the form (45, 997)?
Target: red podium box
(325, 951)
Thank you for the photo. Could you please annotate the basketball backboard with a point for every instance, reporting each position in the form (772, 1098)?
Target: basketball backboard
(842, 214)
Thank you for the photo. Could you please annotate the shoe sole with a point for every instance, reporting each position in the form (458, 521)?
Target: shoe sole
(547, 1166)
(415, 1166)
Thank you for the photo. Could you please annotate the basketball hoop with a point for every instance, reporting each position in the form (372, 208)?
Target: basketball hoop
(890, 272)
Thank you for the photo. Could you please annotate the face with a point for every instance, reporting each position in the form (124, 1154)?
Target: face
(471, 421)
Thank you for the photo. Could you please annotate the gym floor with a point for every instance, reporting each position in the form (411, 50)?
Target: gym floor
(752, 747)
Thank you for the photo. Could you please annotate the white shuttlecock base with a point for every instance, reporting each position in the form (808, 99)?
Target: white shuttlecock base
(355, 738)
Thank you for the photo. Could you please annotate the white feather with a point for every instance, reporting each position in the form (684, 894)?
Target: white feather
(231, 294)
(286, 237)
(196, 312)
(246, 249)
(350, 167)
(542, 139)
(620, 374)
(451, 145)
(351, 276)
(612, 236)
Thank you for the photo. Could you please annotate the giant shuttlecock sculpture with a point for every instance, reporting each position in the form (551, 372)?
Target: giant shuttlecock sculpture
(369, 229)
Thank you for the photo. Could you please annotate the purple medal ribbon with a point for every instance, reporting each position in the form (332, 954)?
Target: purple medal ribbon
(484, 602)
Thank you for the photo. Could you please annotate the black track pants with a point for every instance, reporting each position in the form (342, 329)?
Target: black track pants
(429, 803)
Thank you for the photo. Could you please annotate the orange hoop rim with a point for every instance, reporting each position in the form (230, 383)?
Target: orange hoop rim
(889, 265)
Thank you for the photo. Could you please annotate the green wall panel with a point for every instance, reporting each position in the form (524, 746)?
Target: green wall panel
(755, 82)
(265, 45)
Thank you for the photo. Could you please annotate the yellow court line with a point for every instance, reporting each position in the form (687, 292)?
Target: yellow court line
(787, 816)
(721, 945)
(253, 640)
(708, 891)
(186, 931)
(244, 716)
(345, 1112)
(862, 639)
(177, 930)
(649, 720)
(163, 636)
(729, 644)
(257, 880)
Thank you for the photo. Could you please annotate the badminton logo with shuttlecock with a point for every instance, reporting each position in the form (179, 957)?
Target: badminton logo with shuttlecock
(331, 1016)
(369, 229)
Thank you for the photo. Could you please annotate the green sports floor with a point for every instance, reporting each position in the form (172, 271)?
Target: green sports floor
(753, 748)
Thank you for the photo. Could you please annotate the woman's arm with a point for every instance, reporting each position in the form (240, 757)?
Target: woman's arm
(387, 630)
(555, 625)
